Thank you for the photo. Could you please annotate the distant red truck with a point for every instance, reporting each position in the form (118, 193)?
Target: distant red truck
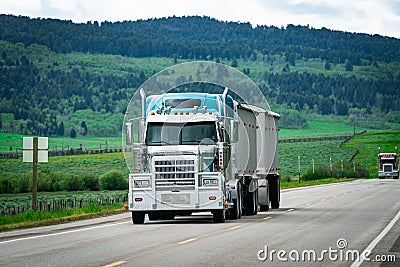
(388, 165)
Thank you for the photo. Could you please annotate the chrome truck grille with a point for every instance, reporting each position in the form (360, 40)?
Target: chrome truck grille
(175, 173)
(387, 168)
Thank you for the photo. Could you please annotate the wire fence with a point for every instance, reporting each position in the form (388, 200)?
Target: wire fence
(17, 205)
(72, 151)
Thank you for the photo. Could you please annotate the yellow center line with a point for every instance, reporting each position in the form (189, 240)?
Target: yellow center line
(308, 204)
(290, 210)
(187, 241)
(323, 199)
(114, 264)
(235, 227)
(267, 218)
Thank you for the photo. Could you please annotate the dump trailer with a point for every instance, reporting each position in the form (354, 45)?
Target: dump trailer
(197, 152)
(388, 165)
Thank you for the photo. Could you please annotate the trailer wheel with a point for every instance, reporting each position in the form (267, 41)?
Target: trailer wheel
(219, 216)
(256, 202)
(137, 217)
(264, 207)
(251, 203)
(274, 192)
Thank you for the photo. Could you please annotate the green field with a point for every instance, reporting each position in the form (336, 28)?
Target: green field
(77, 164)
(58, 207)
(14, 141)
(326, 127)
(12, 204)
(319, 125)
(368, 144)
(321, 152)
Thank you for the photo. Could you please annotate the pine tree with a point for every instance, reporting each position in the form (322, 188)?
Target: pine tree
(327, 66)
(234, 63)
(349, 66)
(72, 133)
(61, 129)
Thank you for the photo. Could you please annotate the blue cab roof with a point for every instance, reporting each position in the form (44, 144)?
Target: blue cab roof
(186, 101)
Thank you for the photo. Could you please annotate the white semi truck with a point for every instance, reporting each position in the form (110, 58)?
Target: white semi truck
(388, 165)
(197, 152)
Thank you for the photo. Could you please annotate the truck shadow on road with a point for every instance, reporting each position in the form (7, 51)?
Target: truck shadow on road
(208, 218)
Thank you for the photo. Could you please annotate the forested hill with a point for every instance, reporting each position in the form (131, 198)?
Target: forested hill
(197, 38)
(55, 75)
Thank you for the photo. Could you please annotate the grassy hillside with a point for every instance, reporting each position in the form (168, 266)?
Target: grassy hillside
(367, 144)
(96, 88)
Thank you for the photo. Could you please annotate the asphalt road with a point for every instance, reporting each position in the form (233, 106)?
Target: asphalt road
(333, 221)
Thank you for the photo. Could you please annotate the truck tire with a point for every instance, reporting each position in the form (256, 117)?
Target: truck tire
(396, 177)
(138, 217)
(255, 202)
(219, 216)
(251, 203)
(266, 207)
(236, 211)
(154, 216)
(274, 192)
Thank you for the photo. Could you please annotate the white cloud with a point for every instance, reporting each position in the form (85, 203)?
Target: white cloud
(20, 7)
(367, 16)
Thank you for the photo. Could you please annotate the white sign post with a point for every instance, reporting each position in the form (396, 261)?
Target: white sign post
(35, 150)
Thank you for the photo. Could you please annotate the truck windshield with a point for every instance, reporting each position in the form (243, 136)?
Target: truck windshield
(192, 133)
(385, 161)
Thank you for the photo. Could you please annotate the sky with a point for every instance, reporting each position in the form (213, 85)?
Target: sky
(363, 16)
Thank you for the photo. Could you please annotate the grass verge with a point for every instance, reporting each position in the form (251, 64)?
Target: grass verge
(34, 219)
(294, 184)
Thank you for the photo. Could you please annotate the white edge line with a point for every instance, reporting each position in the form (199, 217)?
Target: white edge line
(61, 233)
(372, 245)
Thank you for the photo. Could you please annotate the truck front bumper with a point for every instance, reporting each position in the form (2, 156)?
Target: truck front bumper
(388, 174)
(175, 201)
(206, 194)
